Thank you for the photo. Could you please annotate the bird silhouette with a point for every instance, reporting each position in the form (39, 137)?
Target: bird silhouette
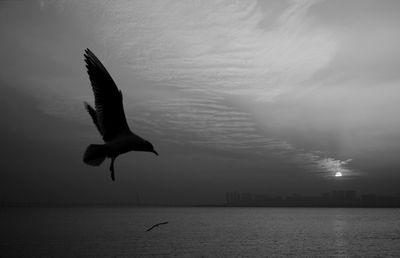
(156, 225)
(109, 118)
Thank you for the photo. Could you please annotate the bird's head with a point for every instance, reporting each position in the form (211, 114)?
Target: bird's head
(149, 147)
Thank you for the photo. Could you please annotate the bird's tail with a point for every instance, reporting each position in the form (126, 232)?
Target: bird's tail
(95, 154)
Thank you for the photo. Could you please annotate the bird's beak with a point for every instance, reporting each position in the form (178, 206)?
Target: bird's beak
(155, 152)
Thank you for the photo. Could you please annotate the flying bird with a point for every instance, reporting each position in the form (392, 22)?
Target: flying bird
(156, 225)
(109, 118)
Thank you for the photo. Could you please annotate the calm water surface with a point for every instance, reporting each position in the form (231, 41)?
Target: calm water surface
(200, 232)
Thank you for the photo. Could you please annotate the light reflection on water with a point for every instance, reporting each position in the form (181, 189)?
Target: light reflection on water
(339, 224)
(209, 232)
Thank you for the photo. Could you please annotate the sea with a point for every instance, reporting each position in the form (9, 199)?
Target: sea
(199, 232)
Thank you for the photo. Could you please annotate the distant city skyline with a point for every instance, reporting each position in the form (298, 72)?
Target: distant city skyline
(335, 198)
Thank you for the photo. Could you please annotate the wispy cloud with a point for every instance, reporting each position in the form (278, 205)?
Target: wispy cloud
(207, 54)
(334, 166)
(217, 47)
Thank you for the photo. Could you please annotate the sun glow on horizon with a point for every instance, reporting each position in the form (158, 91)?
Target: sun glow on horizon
(338, 174)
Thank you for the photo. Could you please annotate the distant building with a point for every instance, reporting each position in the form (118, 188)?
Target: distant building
(326, 196)
(368, 197)
(338, 195)
(261, 198)
(295, 197)
(232, 197)
(246, 197)
(228, 198)
(350, 195)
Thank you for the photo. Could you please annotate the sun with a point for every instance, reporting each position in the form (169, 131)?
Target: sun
(338, 174)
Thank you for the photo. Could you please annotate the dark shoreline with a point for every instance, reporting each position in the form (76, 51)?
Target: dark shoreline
(48, 205)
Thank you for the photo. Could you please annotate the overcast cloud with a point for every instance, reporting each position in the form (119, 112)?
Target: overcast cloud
(263, 96)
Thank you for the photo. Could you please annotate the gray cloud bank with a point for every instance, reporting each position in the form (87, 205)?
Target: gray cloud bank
(264, 96)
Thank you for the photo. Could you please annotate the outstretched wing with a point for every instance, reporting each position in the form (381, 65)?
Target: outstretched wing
(156, 225)
(110, 116)
(151, 228)
(93, 115)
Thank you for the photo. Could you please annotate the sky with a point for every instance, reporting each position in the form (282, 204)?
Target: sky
(254, 96)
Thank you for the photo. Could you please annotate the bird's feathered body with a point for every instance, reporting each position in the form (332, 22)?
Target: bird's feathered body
(109, 118)
(156, 225)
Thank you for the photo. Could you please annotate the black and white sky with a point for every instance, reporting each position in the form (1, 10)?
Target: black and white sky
(261, 96)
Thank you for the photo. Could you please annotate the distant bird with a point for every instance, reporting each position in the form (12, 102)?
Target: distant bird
(109, 118)
(156, 225)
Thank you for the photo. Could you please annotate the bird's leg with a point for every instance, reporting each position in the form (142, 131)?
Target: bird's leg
(112, 168)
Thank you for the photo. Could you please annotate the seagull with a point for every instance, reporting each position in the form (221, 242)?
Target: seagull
(109, 118)
(156, 225)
